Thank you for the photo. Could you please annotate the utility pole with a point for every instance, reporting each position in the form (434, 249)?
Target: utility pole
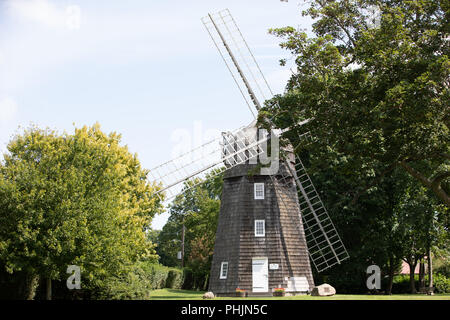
(430, 272)
(182, 244)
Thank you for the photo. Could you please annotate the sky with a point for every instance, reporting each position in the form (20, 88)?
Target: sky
(145, 69)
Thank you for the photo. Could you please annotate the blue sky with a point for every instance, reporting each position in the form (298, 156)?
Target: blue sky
(146, 69)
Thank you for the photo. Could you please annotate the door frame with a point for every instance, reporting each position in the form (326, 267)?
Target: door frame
(266, 287)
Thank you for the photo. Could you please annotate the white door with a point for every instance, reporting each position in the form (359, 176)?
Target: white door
(260, 271)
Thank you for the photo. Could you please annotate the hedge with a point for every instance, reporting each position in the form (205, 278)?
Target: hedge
(194, 280)
(174, 279)
(443, 270)
(401, 283)
(139, 280)
(441, 283)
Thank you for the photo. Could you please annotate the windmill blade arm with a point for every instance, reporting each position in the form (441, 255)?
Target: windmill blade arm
(241, 146)
(324, 243)
(238, 58)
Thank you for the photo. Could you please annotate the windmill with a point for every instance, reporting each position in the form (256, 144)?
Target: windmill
(272, 223)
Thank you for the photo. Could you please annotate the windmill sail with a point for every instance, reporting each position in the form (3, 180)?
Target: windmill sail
(324, 244)
(238, 58)
(215, 156)
(210, 159)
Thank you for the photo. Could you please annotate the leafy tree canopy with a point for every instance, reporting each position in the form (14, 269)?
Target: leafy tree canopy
(374, 82)
(73, 199)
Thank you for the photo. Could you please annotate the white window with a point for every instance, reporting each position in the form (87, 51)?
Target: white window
(224, 270)
(260, 228)
(259, 191)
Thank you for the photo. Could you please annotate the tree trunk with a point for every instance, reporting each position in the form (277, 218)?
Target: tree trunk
(391, 273)
(391, 278)
(183, 231)
(48, 295)
(412, 282)
(422, 275)
(430, 271)
(30, 284)
(434, 185)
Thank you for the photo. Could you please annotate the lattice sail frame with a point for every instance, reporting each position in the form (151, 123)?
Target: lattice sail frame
(210, 159)
(325, 246)
(234, 50)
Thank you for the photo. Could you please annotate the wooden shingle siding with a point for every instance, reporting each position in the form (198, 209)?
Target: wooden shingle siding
(284, 241)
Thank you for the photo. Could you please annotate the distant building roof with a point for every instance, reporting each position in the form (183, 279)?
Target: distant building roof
(405, 268)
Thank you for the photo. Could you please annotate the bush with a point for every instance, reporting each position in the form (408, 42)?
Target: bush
(163, 277)
(139, 280)
(401, 284)
(443, 270)
(174, 279)
(157, 275)
(441, 283)
(194, 281)
(133, 284)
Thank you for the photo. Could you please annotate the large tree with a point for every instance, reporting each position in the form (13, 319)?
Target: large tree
(420, 225)
(374, 82)
(372, 78)
(72, 199)
(366, 227)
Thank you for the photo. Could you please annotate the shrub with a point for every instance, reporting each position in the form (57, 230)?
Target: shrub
(164, 277)
(158, 275)
(441, 283)
(401, 284)
(133, 284)
(443, 270)
(194, 280)
(137, 281)
(174, 279)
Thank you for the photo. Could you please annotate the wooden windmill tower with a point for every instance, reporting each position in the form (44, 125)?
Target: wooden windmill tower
(272, 222)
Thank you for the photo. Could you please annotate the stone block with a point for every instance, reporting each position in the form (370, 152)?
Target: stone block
(323, 290)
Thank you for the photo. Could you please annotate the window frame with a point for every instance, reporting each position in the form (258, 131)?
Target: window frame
(222, 277)
(263, 234)
(255, 189)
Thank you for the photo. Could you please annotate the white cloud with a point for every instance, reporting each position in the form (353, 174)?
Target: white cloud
(8, 109)
(40, 11)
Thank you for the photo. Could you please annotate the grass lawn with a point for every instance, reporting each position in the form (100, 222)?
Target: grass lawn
(173, 294)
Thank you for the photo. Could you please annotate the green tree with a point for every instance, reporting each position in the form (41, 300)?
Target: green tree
(374, 82)
(198, 209)
(366, 226)
(72, 199)
(169, 243)
(396, 219)
(152, 236)
(421, 225)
